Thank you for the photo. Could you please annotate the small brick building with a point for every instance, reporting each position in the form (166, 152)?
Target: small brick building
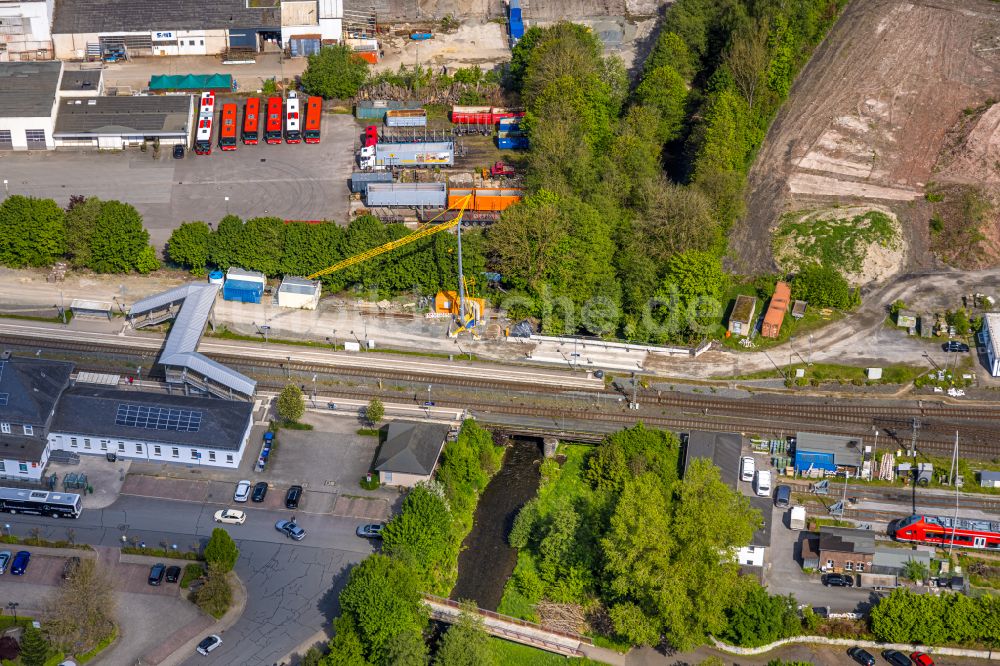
(844, 550)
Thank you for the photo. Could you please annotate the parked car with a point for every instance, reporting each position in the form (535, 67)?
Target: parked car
(259, 491)
(178, 152)
(331, 405)
(782, 496)
(762, 483)
(837, 580)
(861, 656)
(4, 561)
(69, 568)
(209, 644)
(230, 516)
(20, 563)
(156, 573)
(746, 469)
(372, 531)
(173, 574)
(922, 659)
(242, 493)
(955, 346)
(290, 529)
(292, 497)
(896, 658)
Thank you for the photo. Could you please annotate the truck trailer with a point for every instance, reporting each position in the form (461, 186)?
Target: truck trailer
(406, 195)
(361, 179)
(384, 155)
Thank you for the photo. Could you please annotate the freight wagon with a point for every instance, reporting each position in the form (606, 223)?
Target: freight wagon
(485, 199)
(388, 155)
(406, 118)
(482, 115)
(360, 179)
(406, 195)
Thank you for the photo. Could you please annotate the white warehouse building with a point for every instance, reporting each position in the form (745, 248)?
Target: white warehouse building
(28, 96)
(989, 336)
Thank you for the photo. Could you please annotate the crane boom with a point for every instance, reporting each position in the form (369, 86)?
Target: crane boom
(400, 242)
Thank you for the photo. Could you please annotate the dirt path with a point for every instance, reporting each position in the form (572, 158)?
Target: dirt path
(868, 115)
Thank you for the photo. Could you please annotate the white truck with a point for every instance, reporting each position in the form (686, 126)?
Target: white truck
(797, 518)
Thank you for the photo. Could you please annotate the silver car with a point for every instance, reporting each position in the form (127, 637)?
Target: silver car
(242, 493)
(4, 560)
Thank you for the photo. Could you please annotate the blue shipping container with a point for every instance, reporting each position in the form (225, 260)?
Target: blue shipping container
(244, 292)
(512, 142)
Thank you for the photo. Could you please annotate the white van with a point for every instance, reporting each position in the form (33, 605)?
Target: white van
(746, 468)
(762, 483)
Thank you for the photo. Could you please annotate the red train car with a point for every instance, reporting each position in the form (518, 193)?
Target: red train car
(939, 530)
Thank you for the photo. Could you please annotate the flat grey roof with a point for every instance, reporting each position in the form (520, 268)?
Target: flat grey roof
(846, 450)
(76, 80)
(82, 16)
(845, 540)
(722, 448)
(298, 285)
(197, 301)
(762, 537)
(28, 89)
(92, 410)
(154, 115)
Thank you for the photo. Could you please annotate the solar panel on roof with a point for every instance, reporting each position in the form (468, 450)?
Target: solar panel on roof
(158, 418)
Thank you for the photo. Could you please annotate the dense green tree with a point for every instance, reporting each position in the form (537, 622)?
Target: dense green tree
(189, 245)
(631, 452)
(346, 647)
(32, 231)
(670, 51)
(666, 91)
(381, 595)
(262, 245)
(311, 247)
(466, 643)
(81, 220)
(467, 464)
(291, 403)
(419, 534)
(312, 657)
(119, 243)
(221, 550)
(227, 241)
(336, 72)
(375, 411)
(757, 618)
(408, 648)
(823, 287)
(34, 647)
(693, 283)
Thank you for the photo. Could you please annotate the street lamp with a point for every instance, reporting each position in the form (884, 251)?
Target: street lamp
(314, 390)
(227, 205)
(6, 190)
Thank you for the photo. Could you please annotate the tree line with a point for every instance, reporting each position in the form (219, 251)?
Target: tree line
(629, 185)
(275, 247)
(104, 236)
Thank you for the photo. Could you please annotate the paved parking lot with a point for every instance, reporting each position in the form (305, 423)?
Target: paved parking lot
(295, 182)
(140, 605)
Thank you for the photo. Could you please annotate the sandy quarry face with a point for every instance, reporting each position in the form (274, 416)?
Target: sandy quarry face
(869, 114)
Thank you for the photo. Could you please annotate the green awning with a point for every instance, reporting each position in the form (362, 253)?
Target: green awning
(205, 82)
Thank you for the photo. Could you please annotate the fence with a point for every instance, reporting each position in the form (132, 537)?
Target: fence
(848, 642)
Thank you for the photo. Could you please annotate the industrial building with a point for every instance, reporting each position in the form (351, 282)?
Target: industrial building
(115, 123)
(43, 409)
(26, 30)
(90, 28)
(989, 336)
(827, 453)
(297, 292)
(28, 95)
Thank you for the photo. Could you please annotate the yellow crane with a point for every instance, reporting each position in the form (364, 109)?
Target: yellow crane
(424, 232)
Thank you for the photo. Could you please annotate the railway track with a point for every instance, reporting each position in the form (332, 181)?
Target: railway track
(744, 415)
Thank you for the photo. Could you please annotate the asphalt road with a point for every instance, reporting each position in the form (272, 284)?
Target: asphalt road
(292, 587)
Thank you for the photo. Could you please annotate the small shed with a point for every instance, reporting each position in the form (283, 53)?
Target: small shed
(297, 292)
(827, 452)
(988, 479)
(243, 286)
(906, 319)
(775, 316)
(741, 318)
(799, 309)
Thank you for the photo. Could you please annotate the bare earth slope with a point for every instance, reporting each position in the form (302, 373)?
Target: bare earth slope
(868, 115)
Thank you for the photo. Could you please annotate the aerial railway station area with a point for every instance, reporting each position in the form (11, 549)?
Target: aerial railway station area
(323, 295)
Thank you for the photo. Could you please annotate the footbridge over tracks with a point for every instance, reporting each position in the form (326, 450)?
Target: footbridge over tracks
(512, 629)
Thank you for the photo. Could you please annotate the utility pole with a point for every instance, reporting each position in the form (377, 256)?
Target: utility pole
(461, 275)
(913, 439)
(954, 480)
(871, 472)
